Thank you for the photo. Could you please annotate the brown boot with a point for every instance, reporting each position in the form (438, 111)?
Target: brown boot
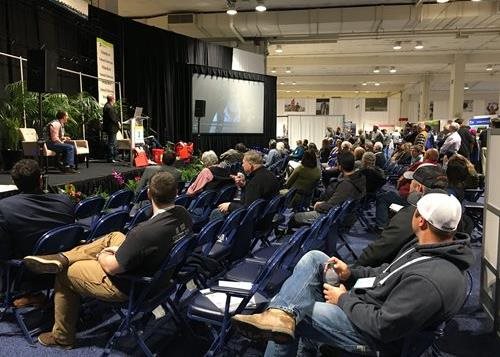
(30, 299)
(272, 324)
(47, 339)
(46, 264)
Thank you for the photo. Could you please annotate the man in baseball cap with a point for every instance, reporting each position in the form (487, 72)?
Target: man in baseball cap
(426, 178)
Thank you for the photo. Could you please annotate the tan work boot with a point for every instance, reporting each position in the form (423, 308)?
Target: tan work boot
(272, 324)
(47, 339)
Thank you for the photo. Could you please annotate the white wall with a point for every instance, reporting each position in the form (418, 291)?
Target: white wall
(248, 61)
(352, 108)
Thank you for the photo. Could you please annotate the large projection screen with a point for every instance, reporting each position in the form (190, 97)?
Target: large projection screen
(233, 106)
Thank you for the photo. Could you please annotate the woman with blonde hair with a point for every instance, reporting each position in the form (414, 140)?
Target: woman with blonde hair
(212, 177)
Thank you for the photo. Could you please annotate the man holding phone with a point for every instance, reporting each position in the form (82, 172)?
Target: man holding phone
(422, 287)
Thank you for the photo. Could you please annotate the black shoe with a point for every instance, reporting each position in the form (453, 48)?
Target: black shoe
(70, 170)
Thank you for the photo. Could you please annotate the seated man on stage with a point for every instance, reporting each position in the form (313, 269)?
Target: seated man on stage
(57, 140)
(424, 286)
(93, 270)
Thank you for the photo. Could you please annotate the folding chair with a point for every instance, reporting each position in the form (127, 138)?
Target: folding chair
(183, 200)
(267, 223)
(119, 200)
(54, 241)
(143, 214)
(226, 194)
(201, 207)
(219, 317)
(141, 196)
(147, 293)
(111, 222)
(227, 234)
(88, 210)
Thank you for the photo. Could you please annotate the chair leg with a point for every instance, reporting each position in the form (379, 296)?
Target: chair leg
(141, 343)
(87, 161)
(24, 328)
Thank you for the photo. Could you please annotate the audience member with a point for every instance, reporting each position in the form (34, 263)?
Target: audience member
(466, 139)
(461, 175)
(375, 176)
(304, 178)
(351, 185)
(380, 159)
(57, 141)
(421, 137)
(377, 135)
(402, 156)
(297, 153)
(233, 156)
(274, 154)
(358, 154)
(417, 154)
(261, 184)
(212, 177)
(25, 217)
(93, 270)
(423, 287)
(168, 160)
(324, 152)
(453, 141)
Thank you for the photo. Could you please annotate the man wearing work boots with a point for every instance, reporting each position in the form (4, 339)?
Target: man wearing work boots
(423, 286)
(93, 270)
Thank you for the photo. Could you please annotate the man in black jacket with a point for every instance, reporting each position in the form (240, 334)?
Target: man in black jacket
(426, 178)
(262, 183)
(424, 286)
(110, 125)
(467, 139)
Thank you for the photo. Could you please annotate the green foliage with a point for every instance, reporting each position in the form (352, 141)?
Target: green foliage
(190, 171)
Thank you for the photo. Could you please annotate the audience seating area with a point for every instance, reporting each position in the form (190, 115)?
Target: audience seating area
(225, 268)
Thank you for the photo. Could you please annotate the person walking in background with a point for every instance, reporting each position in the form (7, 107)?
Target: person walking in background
(110, 125)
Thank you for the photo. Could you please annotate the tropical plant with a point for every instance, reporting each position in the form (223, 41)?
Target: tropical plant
(190, 171)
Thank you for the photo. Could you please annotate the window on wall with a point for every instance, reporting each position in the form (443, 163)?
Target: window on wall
(375, 104)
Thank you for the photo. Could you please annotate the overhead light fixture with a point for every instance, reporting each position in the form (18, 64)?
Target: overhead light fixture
(419, 45)
(293, 83)
(397, 45)
(376, 84)
(466, 86)
(356, 92)
(282, 83)
(288, 70)
(489, 67)
(273, 70)
(476, 0)
(442, 1)
(376, 69)
(231, 8)
(364, 84)
(393, 69)
(278, 49)
(260, 6)
(297, 91)
(288, 91)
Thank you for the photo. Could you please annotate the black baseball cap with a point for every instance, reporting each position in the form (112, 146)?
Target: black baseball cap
(429, 175)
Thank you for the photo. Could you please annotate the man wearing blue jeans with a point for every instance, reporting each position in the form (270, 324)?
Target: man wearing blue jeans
(423, 286)
(57, 141)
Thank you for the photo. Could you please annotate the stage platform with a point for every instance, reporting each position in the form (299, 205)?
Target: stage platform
(97, 178)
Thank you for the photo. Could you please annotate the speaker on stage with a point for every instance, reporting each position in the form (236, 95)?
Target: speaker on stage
(42, 71)
(199, 108)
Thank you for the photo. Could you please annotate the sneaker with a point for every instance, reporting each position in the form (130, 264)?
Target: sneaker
(47, 339)
(46, 264)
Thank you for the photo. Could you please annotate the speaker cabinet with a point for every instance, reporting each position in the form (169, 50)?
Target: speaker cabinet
(199, 108)
(42, 71)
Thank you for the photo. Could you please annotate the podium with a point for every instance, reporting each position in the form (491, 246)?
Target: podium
(136, 134)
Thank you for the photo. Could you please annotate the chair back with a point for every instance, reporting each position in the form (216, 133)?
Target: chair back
(142, 195)
(202, 204)
(111, 222)
(338, 225)
(226, 194)
(59, 239)
(289, 197)
(265, 224)
(183, 200)
(89, 207)
(28, 134)
(143, 214)
(208, 235)
(245, 231)
(119, 199)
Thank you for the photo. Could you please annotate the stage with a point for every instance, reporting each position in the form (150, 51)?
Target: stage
(97, 178)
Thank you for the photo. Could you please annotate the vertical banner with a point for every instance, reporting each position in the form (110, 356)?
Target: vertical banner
(105, 69)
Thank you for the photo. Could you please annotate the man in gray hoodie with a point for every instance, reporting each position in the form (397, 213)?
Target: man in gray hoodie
(351, 185)
(424, 286)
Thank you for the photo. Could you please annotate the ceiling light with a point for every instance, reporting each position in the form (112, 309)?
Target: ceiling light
(288, 70)
(282, 83)
(278, 49)
(466, 86)
(376, 69)
(489, 67)
(293, 83)
(273, 70)
(393, 69)
(260, 6)
(442, 1)
(397, 45)
(419, 45)
(364, 84)
(356, 92)
(297, 91)
(376, 84)
(288, 91)
(476, 0)
(231, 7)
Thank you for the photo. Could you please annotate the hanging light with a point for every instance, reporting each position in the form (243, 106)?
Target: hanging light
(442, 1)
(489, 67)
(288, 70)
(278, 49)
(466, 86)
(397, 45)
(376, 84)
(273, 70)
(393, 69)
(376, 69)
(231, 7)
(419, 45)
(260, 6)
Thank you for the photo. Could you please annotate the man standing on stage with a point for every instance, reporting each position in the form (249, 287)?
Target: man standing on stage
(110, 125)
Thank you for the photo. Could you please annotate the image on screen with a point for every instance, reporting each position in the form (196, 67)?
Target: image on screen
(233, 106)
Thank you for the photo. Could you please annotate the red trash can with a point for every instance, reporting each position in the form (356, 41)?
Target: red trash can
(157, 155)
